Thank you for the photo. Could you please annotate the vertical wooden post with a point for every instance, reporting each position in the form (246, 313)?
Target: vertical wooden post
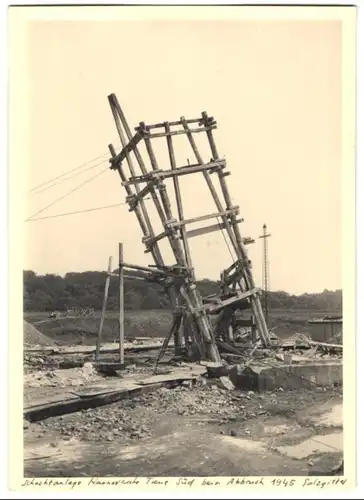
(121, 122)
(230, 333)
(106, 293)
(121, 304)
(225, 221)
(197, 317)
(237, 240)
(177, 190)
(156, 251)
(254, 330)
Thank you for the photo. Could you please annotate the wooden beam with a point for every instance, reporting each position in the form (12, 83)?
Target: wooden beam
(223, 213)
(236, 277)
(104, 304)
(121, 122)
(176, 132)
(144, 278)
(209, 229)
(76, 403)
(231, 300)
(211, 187)
(191, 169)
(140, 211)
(237, 240)
(134, 199)
(184, 222)
(151, 245)
(203, 230)
(165, 174)
(174, 243)
(172, 124)
(178, 196)
(248, 240)
(138, 275)
(126, 150)
(143, 268)
(121, 304)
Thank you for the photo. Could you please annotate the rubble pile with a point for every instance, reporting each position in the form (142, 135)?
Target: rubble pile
(296, 339)
(134, 418)
(337, 338)
(37, 362)
(75, 377)
(33, 337)
(140, 417)
(43, 362)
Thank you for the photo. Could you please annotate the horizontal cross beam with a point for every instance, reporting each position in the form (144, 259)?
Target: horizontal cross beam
(165, 174)
(224, 213)
(145, 133)
(172, 124)
(143, 268)
(178, 224)
(213, 228)
(227, 302)
(139, 275)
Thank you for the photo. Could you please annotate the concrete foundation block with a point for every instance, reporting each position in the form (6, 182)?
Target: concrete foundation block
(217, 370)
(262, 378)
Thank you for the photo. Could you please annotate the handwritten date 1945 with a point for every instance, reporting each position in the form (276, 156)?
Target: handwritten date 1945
(283, 482)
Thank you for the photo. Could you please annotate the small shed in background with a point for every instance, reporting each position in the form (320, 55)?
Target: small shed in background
(326, 328)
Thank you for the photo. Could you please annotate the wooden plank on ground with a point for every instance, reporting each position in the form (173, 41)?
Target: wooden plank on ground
(77, 403)
(48, 399)
(98, 391)
(324, 344)
(91, 350)
(171, 377)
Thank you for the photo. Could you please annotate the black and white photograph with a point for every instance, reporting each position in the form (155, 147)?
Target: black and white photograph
(184, 183)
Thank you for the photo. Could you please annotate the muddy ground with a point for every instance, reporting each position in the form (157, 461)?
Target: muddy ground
(199, 430)
(195, 428)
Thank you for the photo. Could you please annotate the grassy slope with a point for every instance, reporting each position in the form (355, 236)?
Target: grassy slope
(84, 330)
(151, 323)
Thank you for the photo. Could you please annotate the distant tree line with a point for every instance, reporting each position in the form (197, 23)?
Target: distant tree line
(52, 292)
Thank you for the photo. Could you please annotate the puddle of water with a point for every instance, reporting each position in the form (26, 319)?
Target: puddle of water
(277, 430)
(75, 450)
(245, 444)
(318, 444)
(151, 448)
(333, 418)
(64, 450)
(133, 452)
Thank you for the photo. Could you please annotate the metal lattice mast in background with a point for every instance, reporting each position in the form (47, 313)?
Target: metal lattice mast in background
(179, 279)
(266, 284)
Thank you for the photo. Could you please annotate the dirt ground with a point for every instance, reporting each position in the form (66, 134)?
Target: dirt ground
(192, 429)
(221, 432)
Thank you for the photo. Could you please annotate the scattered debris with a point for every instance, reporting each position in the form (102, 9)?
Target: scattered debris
(132, 409)
(328, 464)
(337, 338)
(226, 383)
(74, 377)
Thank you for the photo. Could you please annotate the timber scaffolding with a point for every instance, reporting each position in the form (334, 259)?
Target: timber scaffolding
(192, 328)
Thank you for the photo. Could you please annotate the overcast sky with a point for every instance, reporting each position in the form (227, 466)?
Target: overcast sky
(274, 89)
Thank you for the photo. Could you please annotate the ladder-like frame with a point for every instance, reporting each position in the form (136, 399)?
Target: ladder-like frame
(238, 282)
